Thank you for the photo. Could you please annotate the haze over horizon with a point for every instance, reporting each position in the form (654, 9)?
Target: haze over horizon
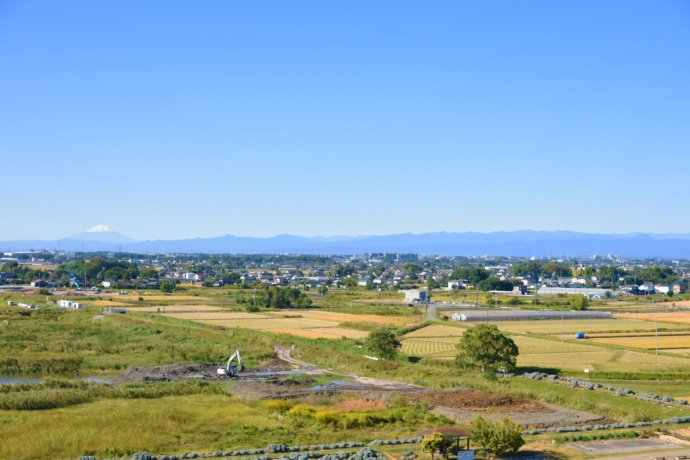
(169, 120)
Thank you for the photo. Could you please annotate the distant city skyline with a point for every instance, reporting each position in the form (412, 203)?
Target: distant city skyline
(172, 120)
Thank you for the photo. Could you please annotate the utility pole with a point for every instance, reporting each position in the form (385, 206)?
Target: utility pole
(562, 328)
(657, 339)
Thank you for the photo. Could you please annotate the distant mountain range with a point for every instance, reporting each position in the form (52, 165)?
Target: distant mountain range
(525, 243)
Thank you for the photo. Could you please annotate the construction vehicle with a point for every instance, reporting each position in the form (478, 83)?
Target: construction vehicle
(232, 369)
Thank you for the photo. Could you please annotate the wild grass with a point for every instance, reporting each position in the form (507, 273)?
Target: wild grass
(52, 394)
(58, 342)
(194, 423)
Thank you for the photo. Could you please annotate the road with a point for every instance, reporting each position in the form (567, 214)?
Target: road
(285, 354)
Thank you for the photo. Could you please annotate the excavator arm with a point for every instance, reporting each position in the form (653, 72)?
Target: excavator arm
(231, 369)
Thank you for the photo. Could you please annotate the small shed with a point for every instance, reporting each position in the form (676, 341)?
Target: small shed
(459, 433)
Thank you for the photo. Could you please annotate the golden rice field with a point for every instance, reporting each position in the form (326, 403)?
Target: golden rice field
(436, 331)
(606, 335)
(342, 331)
(167, 298)
(342, 317)
(674, 317)
(681, 303)
(105, 303)
(172, 308)
(553, 327)
(202, 316)
(265, 324)
(309, 333)
(649, 343)
(568, 356)
(307, 324)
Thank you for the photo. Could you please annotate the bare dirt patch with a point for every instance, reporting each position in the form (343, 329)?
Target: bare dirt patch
(478, 401)
(188, 371)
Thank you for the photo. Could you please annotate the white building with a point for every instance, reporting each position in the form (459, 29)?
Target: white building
(70, 304)
(416, 296)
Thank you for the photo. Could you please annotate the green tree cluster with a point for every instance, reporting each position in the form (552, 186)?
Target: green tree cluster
(282, 297)
(486, 347)
(501, 436)
(493, 283)
(442, 443)
(473, 275)
(382, 343)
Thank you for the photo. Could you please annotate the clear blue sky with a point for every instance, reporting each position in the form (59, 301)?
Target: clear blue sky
(170, 119)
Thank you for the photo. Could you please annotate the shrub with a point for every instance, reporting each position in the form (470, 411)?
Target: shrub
(278, 405)
(302, 410)
(500, 436)
(328, 417)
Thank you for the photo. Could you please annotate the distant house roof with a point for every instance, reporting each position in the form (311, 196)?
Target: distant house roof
(457, 432)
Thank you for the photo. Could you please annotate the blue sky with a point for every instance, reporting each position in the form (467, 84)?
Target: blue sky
(170, 119)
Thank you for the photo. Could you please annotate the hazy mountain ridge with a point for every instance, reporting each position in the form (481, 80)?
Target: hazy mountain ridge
(526, 243)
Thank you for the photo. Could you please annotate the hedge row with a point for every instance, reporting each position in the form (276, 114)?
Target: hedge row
(570, 429)
(378, 442)
(575, 383)
(295, 452)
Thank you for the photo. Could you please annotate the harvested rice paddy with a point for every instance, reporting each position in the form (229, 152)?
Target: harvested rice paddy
(342, 317)
(172, 308)
(429, 348)
(552, 354)
(309, 333)
(553, 327)
(435, 331)
(342, 331)
(167, 298)
(649, 343)
(265, 324)
(672, 317)
(202, 316)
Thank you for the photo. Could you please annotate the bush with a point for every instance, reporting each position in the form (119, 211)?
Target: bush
(500, 436)
(302, 410)
(278, 405)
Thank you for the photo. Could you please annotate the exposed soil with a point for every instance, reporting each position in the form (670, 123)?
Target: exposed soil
(478, 401)
(185, 371)
(273, 381)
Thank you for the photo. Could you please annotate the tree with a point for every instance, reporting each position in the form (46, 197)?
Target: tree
(322, 290)
(438, 442)
(580, 302)
(432, 284)
(382, 342)
(148, 273)
(484, 346)
(501, 436)
(493, 283)
(167, 287)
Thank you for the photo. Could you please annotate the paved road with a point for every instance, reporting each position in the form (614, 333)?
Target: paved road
(285, 354)
(634, 449)
(667, 454)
